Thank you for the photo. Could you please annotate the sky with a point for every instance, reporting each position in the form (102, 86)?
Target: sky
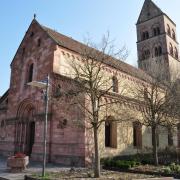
(74, 18)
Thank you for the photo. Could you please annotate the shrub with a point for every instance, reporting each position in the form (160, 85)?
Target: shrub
(167, 170)
(109, 162)
(122, 164)
(175, 168)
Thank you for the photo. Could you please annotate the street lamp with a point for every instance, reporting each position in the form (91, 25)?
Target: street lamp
(43, 85)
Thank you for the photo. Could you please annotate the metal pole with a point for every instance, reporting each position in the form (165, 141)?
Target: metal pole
(45, 125)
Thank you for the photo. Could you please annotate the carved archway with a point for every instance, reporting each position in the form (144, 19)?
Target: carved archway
(25, 127)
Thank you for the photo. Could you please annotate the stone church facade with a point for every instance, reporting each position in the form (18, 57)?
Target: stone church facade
(44, 51)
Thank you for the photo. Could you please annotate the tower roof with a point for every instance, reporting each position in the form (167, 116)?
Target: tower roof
(148, 11)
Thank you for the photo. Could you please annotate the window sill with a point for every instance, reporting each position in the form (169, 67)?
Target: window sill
(135, 147)
(110, 148)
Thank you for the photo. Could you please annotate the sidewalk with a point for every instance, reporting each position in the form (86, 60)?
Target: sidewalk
(34, 167)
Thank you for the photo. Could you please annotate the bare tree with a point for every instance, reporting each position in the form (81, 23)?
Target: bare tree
(173, 108)
(157, 103)
(95, 83)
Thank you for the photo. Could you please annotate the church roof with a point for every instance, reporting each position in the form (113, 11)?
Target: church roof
(4, 96)
(150, 10)
(77, 47)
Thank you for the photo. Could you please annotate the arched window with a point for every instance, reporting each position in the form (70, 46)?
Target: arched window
(145, 35)
(110, 133)
(114, 84)
(39, 42)
(158, 51)
(171, 49)
(146, 54)
(176, 53)
(156, 31)
(23, 51)
(173, 34)
(168, 30)
(137, 134)
(30, 75)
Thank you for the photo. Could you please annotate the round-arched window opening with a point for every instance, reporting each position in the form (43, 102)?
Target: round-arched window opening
(30, 73)
(171, 49)
(173, 34)
(168, 30)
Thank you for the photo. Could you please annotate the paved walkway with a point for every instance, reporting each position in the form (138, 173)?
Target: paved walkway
(33, 168)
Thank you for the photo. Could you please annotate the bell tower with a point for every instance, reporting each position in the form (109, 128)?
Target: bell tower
(157, 44)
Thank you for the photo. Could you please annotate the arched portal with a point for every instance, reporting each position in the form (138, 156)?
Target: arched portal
(25, 127)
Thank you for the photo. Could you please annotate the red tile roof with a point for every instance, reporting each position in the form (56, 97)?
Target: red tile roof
(77, 47)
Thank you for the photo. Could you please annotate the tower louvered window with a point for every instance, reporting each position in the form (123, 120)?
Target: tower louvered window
(156, 31)
(176, 53)
(173, 34)
(158, 51)
(171, 49)
(146, 54)
(145, 35)
(168, 30)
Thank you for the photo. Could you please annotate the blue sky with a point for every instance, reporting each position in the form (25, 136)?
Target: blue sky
(74, 18)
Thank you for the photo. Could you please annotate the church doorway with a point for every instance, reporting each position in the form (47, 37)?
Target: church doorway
(30, 138)
(25, 128)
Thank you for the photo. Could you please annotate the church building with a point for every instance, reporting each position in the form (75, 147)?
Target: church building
(44, 51)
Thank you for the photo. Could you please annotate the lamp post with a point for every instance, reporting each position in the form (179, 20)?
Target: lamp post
(43, 85)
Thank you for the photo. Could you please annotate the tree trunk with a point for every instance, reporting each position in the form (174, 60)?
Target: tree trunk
(154, 144)
(96, 150)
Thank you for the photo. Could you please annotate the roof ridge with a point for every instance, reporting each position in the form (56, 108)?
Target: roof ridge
(115, 63)
(156, 6)
(148, 3)
(77, 46)
(70, 38)
(3, 96)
